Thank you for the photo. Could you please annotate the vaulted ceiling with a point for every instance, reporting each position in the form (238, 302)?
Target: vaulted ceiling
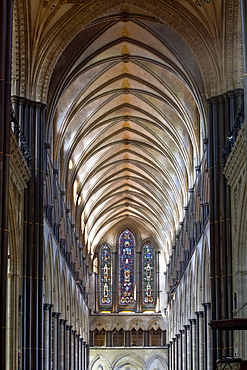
(126, 106)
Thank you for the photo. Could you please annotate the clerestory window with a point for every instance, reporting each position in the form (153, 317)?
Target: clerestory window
(105, 275)
(127, 268)
(127, 275)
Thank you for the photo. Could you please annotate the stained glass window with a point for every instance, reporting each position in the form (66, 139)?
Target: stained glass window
(105, 275)
(127, 268)
(148, 264)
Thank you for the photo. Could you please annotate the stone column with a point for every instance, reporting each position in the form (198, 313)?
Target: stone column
(193, 344)
(80, 353)
(55, 340)
(86, 356)
(222, 111)
(83, 356)
(146, 338)
(47, 336)
(91, 338)
(200, 340)
(174, 354)
(182, 349)
(187, 347)
(62, 345)
(163, 338)
(32, 122)
(178, 363)
(72, 350)
(77, 351)
(68, 346)
(6, 11)
(170, 355)
(207, 338)
(127, 338)
(109, 338)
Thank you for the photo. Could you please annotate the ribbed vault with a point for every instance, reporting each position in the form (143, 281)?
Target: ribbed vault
(128, 128)
(126, 115)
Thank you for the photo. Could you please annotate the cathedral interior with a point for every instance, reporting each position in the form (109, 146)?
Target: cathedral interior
(123, 223)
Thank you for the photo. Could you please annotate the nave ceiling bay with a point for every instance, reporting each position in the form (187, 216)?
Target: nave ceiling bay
(126, 118)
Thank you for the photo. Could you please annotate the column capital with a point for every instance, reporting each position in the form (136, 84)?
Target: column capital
(214, 99)
(187, 327)
(47, 306)
(69, 327)
(182, 331)
(199, 313)
(56, 315)
(192, 321)
(206, 305)
(63, 321)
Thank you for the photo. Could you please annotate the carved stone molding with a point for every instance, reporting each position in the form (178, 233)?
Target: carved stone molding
(236, 161)
(19, 170)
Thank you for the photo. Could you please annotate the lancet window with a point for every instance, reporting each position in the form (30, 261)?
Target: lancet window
(127, 275)
(148, 279)
(127, 268)
(105, 275)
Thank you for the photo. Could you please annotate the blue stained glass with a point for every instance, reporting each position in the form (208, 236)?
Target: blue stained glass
(105, 275)
(148, 282)
(127, 268)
